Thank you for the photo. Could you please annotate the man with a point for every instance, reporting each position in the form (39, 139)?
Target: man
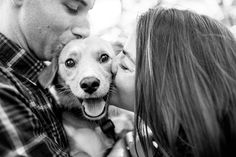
(32, 31)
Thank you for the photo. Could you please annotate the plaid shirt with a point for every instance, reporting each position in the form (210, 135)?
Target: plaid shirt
(30, 124)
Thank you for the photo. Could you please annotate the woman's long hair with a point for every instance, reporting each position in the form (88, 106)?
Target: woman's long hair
(185, 84)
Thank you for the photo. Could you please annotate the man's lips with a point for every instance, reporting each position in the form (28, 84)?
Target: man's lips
(66, 37)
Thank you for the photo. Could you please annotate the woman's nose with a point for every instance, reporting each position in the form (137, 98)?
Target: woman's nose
(115, 64)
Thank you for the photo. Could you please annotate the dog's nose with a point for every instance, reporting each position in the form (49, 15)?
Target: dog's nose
(90, 84)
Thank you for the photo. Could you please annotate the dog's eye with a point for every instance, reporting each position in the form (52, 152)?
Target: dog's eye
(104, 58)
(70, 63)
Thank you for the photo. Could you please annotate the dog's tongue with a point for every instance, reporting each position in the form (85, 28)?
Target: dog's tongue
(94, 107)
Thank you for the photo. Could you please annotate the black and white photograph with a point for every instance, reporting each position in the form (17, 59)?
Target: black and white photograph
(117, 78)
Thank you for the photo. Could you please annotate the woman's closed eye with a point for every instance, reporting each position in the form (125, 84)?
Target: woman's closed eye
(124, 67)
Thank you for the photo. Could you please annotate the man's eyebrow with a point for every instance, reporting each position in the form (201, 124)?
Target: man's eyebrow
(128, 55)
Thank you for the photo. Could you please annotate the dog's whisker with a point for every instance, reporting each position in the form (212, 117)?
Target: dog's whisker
(110, 91)
(61, 87)
(65, 92)
(113, 91)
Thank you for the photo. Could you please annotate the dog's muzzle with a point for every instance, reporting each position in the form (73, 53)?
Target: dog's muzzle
(94, 108)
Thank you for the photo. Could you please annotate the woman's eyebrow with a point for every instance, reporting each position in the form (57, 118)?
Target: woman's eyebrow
(128, 55)
(82, 2)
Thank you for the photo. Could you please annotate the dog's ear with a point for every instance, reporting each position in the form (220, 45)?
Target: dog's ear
(47, 76)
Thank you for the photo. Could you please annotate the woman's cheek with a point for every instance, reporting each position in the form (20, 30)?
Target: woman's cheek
(132, 89)
(128, 87)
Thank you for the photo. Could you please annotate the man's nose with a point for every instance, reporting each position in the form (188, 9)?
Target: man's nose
(81, 29)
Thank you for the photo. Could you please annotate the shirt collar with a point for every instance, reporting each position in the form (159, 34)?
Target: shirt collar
(16, 59)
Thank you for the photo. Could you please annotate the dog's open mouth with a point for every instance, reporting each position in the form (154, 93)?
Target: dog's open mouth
(94, 108)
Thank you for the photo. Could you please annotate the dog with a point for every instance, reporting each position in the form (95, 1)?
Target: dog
(84, 68)
(79, 78)
(81, 75)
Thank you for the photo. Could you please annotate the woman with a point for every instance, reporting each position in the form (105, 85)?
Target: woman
(184, 85)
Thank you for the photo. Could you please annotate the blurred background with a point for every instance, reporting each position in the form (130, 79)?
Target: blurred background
(114, 20)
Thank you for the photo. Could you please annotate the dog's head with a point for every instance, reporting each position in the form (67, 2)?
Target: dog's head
(85, 67)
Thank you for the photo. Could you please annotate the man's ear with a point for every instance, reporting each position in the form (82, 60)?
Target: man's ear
(17, 3)
(47, 76)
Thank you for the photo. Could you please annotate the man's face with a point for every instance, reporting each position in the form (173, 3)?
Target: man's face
(47, 25)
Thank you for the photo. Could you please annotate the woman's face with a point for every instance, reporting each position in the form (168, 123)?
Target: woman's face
(123, 68)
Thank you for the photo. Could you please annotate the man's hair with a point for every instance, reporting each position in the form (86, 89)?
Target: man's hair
(185, 84)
